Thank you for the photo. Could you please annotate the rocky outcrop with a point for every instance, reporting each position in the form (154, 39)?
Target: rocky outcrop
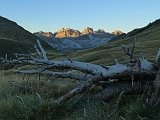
(87, 31)
(68, 39)
(100, 31)
(75, 34)
(117, 32)
(67, 32)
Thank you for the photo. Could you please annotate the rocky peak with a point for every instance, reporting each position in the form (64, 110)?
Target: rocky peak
(117, 32)
(67, 32)
(87, 31)
(100, 31)
(75, 34)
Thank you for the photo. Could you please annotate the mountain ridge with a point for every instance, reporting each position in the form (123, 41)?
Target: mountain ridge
(67, 39)
(71, 33)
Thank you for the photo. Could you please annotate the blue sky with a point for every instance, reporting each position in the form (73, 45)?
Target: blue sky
(51, 15)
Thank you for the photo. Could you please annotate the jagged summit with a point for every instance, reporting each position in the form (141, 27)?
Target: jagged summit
(88, 30)
(117, 32)
(71, 33)
(67, 39)
(67, 32)
(100, 31)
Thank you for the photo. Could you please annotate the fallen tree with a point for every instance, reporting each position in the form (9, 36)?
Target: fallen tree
(114, 79)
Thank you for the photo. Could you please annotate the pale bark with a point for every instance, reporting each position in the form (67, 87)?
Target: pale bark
(71, 75)
(115, 89)
(80, 88)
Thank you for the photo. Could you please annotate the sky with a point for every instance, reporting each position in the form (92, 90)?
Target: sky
(52, 15)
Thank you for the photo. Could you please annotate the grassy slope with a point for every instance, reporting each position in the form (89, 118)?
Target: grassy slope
(9, 47)
(14, 38)
(82, 107)
(148, 41)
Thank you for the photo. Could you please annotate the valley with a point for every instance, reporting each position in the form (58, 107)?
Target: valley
(29, 96)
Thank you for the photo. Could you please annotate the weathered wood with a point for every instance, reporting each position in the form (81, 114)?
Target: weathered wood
(129, 51)
(80, 88)
(158, 58)
(70, 74)
(42, 51)
(116, 88)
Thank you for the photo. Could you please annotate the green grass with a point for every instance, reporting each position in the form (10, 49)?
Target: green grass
(20, 101)
(9, 47)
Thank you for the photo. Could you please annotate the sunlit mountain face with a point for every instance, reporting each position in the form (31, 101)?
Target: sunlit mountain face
(68, 39)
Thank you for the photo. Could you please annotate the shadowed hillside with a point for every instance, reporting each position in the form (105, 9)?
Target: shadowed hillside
(14, 38)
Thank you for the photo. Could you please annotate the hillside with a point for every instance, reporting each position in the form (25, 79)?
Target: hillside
(14, 38)
(148, 40)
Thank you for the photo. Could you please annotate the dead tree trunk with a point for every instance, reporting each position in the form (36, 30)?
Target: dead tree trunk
(138, 69)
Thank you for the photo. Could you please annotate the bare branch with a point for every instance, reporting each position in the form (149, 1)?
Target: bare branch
(158, 58)
(6, 58)
(117, 88)
(104, 66)
(1, 58)
(82, 87)
(116, 61)
(43, 52)
(71, 75)
(142, 55)
(133, 47)
(21, 55)
(68, 58)
(129, 51)
(38, 52)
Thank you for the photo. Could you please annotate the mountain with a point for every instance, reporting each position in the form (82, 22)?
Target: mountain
(15, 39)
(76, 34)
(63, 33)
(68, 39)
(87, 31)
(117, 32)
